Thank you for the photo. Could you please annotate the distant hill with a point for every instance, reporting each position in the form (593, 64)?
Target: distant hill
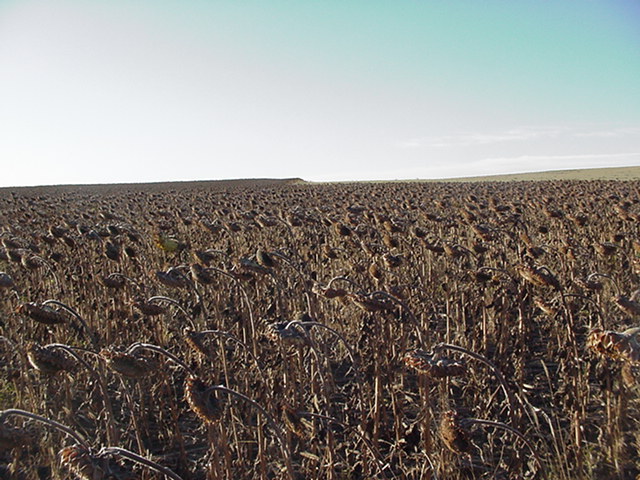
(210, 185)
(615, 173)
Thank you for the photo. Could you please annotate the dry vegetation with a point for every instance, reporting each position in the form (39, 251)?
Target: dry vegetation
(348, 331)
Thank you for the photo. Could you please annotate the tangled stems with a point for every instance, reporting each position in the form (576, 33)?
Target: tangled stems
(47, 421)
(490, 423)
(497, 270)
(288, 261)
(337, 335)
(590, 300)
(412, 316)
(283, 445)
(379, 461)
(608, 277)
(8, 342)
(161, 298)
(254, 344)
(233, 338)
(111, 431)
(6, 282)
(333, 331)
(77, 316)
(494, 369)
(145, 346)
(179, 270)
(50, 269)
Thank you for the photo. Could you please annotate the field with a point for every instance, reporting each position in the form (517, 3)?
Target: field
(289, 330)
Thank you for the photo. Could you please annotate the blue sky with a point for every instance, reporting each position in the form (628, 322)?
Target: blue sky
(122, 91)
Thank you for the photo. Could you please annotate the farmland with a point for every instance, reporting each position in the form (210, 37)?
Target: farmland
(282, 329)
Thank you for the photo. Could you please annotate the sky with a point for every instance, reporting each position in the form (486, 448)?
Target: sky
(163, 90)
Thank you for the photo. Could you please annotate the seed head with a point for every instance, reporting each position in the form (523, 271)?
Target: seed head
(171, 278)
(454, 251)
(390, 241)
(205, 405)
(485, 232)
(195, 341)
(606, 249)
(391, 261)
(57, 231)
(6, 281)
(280, 333)
(14, 254)
(539, 276)
(329, 252)
(586, 284)
(82, 463)
(48, 360)
(578, 220)
(627, 305)
(41, 313)
(31, 262)
(203, 256)
(148, 309)
(328, 292)
(426, 364)
(113, 281)
(265, 259)
(341, 229)
(370, 304)
(545, 306)
(252, 266)
(375, 271)
(201, 275)
(481, 276)
(293, 421)
(126, 364)
(618, 346)
(419, 232)
(453, 434)
(112, 251)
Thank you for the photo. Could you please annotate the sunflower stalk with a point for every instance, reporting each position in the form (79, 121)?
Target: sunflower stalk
(134, 457)
(47, 421)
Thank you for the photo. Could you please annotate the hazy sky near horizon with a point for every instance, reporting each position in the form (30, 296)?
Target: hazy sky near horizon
(161, 90)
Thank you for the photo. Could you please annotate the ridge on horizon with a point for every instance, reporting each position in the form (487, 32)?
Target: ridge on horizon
(604, 173)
